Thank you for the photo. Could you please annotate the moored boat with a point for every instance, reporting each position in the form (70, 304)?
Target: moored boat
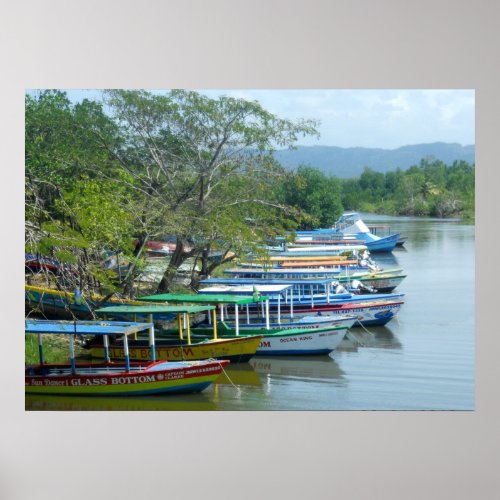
(314, 340)
(374, 309)
(70, 305)
(349, 228)
(181, 343)
(380, 281)
(374, 229)
(110, 379)
(300, 338)
(350, 224)
(314, 250)
(34, 263)
(303, 290)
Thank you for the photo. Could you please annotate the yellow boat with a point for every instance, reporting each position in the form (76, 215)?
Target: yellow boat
(237, 350)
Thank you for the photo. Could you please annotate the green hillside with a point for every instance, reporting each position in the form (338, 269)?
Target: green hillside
(350, 162)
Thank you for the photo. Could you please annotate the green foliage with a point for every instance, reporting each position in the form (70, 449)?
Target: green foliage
(48, 150)
(153, 165)
(102, 212)
(63, 141)
(314, 195)
(73, 210)
(60, 235)
(203, 166)
(431, 188)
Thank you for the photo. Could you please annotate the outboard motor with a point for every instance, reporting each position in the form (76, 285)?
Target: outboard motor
(359, 287)
(366, 261)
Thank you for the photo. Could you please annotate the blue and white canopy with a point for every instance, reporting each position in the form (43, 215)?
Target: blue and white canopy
(244, 289)
(84, 327)
(103, 328)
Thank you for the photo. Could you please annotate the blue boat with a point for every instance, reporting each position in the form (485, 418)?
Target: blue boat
(306, 291)
(355, 281)
(302, 299)
(351, 227)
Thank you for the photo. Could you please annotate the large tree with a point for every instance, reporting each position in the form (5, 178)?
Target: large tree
(205, 167)
(70, 212)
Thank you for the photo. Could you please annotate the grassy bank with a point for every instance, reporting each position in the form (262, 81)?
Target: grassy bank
(55, 349)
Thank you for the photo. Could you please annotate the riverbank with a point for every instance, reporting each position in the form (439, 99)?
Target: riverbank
(55, 349)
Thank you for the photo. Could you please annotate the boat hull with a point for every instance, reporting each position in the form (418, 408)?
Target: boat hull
(383, 284)
(312, 321)
(310, 343)
(94, 380)
(385, 244)
(366, 313)
(237, 350)
(65, 305)
(296, 341)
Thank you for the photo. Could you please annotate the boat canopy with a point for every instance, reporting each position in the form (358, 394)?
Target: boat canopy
(351, 223)
(84, 327)
(270, 281)
(181, 311)
(221, 300)
(277, 271)
(300, 258)
(333, 249)
(319, 263)
(269, 290)
(103, 328)
(203, 299)
(150, 309)
(298, 286)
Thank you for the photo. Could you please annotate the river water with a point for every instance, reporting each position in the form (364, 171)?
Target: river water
(422, 360)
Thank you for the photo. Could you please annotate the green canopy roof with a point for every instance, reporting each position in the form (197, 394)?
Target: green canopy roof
(176, 298)
(152, 309)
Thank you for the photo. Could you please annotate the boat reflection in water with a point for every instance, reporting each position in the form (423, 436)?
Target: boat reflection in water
(303, 367)
(387, 260)
(238, 374)
(188, 402)
(380, 337)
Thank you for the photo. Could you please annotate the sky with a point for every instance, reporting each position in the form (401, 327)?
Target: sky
(377, 118)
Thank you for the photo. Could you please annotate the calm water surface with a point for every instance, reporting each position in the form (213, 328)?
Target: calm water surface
(422, 360)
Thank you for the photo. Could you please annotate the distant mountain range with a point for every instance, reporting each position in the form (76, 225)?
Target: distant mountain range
(350, 162)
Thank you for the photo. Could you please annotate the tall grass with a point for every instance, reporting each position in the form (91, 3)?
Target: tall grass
(55, 349)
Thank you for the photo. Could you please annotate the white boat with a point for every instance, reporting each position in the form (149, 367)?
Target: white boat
(308, 341)
(381, 281)
(368, 310)
(320, 250)
(310, 336)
